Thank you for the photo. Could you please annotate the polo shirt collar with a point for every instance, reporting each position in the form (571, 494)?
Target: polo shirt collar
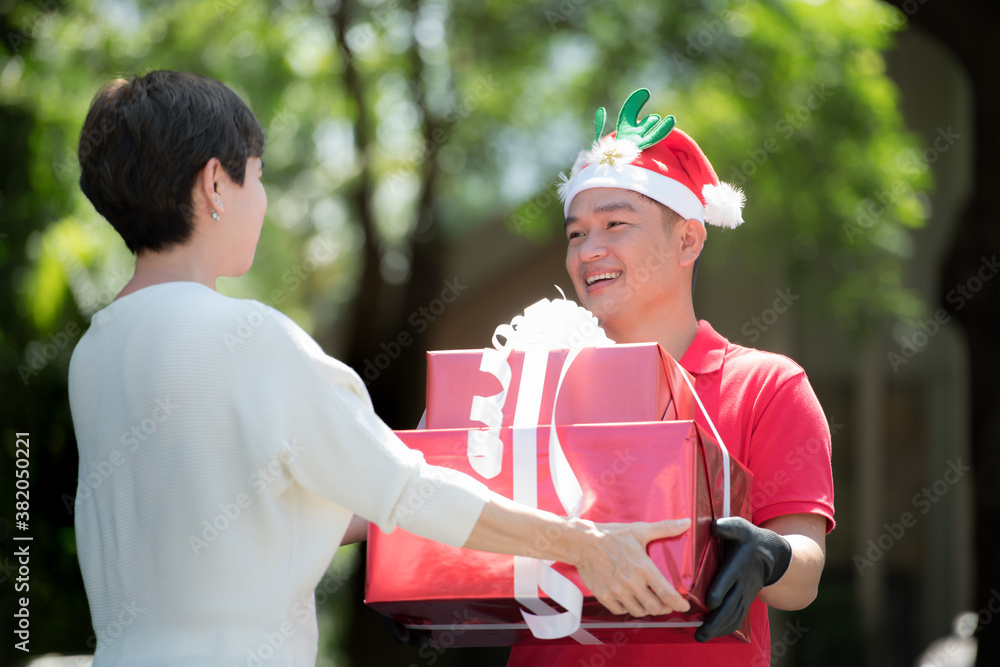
(706, 352)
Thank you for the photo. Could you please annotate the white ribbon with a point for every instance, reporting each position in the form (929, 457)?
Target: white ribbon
(564, 480)
(726, 496)
(530, 574)
(546, 325)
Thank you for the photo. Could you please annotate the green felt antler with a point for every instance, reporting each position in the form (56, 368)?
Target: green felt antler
(599, 117)
(651, 130)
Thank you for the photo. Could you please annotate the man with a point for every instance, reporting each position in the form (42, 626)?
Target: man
(636, 205)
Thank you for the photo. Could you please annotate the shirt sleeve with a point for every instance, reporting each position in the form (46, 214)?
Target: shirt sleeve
(790, 455)
(347, 454)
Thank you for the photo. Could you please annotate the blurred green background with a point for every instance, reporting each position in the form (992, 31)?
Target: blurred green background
(409, 138)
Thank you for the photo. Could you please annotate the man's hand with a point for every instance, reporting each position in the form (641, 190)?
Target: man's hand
(615, 567)
(752, 558)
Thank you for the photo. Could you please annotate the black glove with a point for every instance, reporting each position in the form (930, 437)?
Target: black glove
(752, 558)
(404, 635)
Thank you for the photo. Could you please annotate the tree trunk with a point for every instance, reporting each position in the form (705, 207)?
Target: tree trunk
(389, 327)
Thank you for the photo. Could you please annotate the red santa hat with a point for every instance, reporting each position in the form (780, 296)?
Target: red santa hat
(654, 158)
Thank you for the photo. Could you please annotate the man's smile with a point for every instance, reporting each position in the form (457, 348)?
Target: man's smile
(599, 279)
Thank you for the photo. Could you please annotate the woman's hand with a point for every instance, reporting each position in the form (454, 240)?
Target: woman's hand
(610, 557)
(615, 567)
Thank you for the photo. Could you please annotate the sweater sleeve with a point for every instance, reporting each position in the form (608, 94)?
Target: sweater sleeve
(347, 455)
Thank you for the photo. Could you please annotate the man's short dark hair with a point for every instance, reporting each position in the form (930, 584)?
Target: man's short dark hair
(143, 143)
(671, 218)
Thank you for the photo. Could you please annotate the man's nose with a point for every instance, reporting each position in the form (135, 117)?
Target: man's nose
(593, 247)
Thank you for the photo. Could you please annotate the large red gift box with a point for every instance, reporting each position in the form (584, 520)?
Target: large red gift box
(627, 472)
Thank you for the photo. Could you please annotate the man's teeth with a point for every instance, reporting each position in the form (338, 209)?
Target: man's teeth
(604, 276)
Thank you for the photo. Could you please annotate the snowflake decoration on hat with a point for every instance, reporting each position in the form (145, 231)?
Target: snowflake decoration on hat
(612, 152)
(630, 138)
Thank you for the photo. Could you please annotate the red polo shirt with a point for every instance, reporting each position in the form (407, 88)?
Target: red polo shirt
(771, 421)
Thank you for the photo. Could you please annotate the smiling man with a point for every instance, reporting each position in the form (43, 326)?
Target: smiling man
(636, 207)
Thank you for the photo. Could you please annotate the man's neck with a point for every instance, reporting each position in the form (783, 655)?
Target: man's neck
(673, 331)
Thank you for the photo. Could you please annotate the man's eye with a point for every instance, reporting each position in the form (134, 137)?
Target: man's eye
(573, 235)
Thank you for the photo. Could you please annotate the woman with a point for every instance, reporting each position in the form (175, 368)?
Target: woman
(230, 454)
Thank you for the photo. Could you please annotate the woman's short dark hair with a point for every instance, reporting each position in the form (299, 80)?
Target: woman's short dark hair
(143, 143)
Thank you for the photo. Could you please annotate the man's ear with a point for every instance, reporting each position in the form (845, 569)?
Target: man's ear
(691, 239)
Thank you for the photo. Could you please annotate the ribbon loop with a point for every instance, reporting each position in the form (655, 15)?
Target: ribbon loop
(484, 448)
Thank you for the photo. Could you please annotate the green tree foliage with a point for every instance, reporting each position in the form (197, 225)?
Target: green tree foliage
(789, 101)
(393, 128)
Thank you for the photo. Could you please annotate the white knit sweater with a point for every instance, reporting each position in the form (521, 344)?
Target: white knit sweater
(222, 454)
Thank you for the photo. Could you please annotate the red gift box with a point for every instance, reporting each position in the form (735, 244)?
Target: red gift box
(626, 471)
(619, 383)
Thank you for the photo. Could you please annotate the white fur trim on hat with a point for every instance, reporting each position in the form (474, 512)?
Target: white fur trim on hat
(723, 205)
(564, 184)
(672, 194)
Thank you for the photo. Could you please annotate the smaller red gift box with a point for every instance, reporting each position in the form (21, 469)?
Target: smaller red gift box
(618, 383)
(628, 472)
